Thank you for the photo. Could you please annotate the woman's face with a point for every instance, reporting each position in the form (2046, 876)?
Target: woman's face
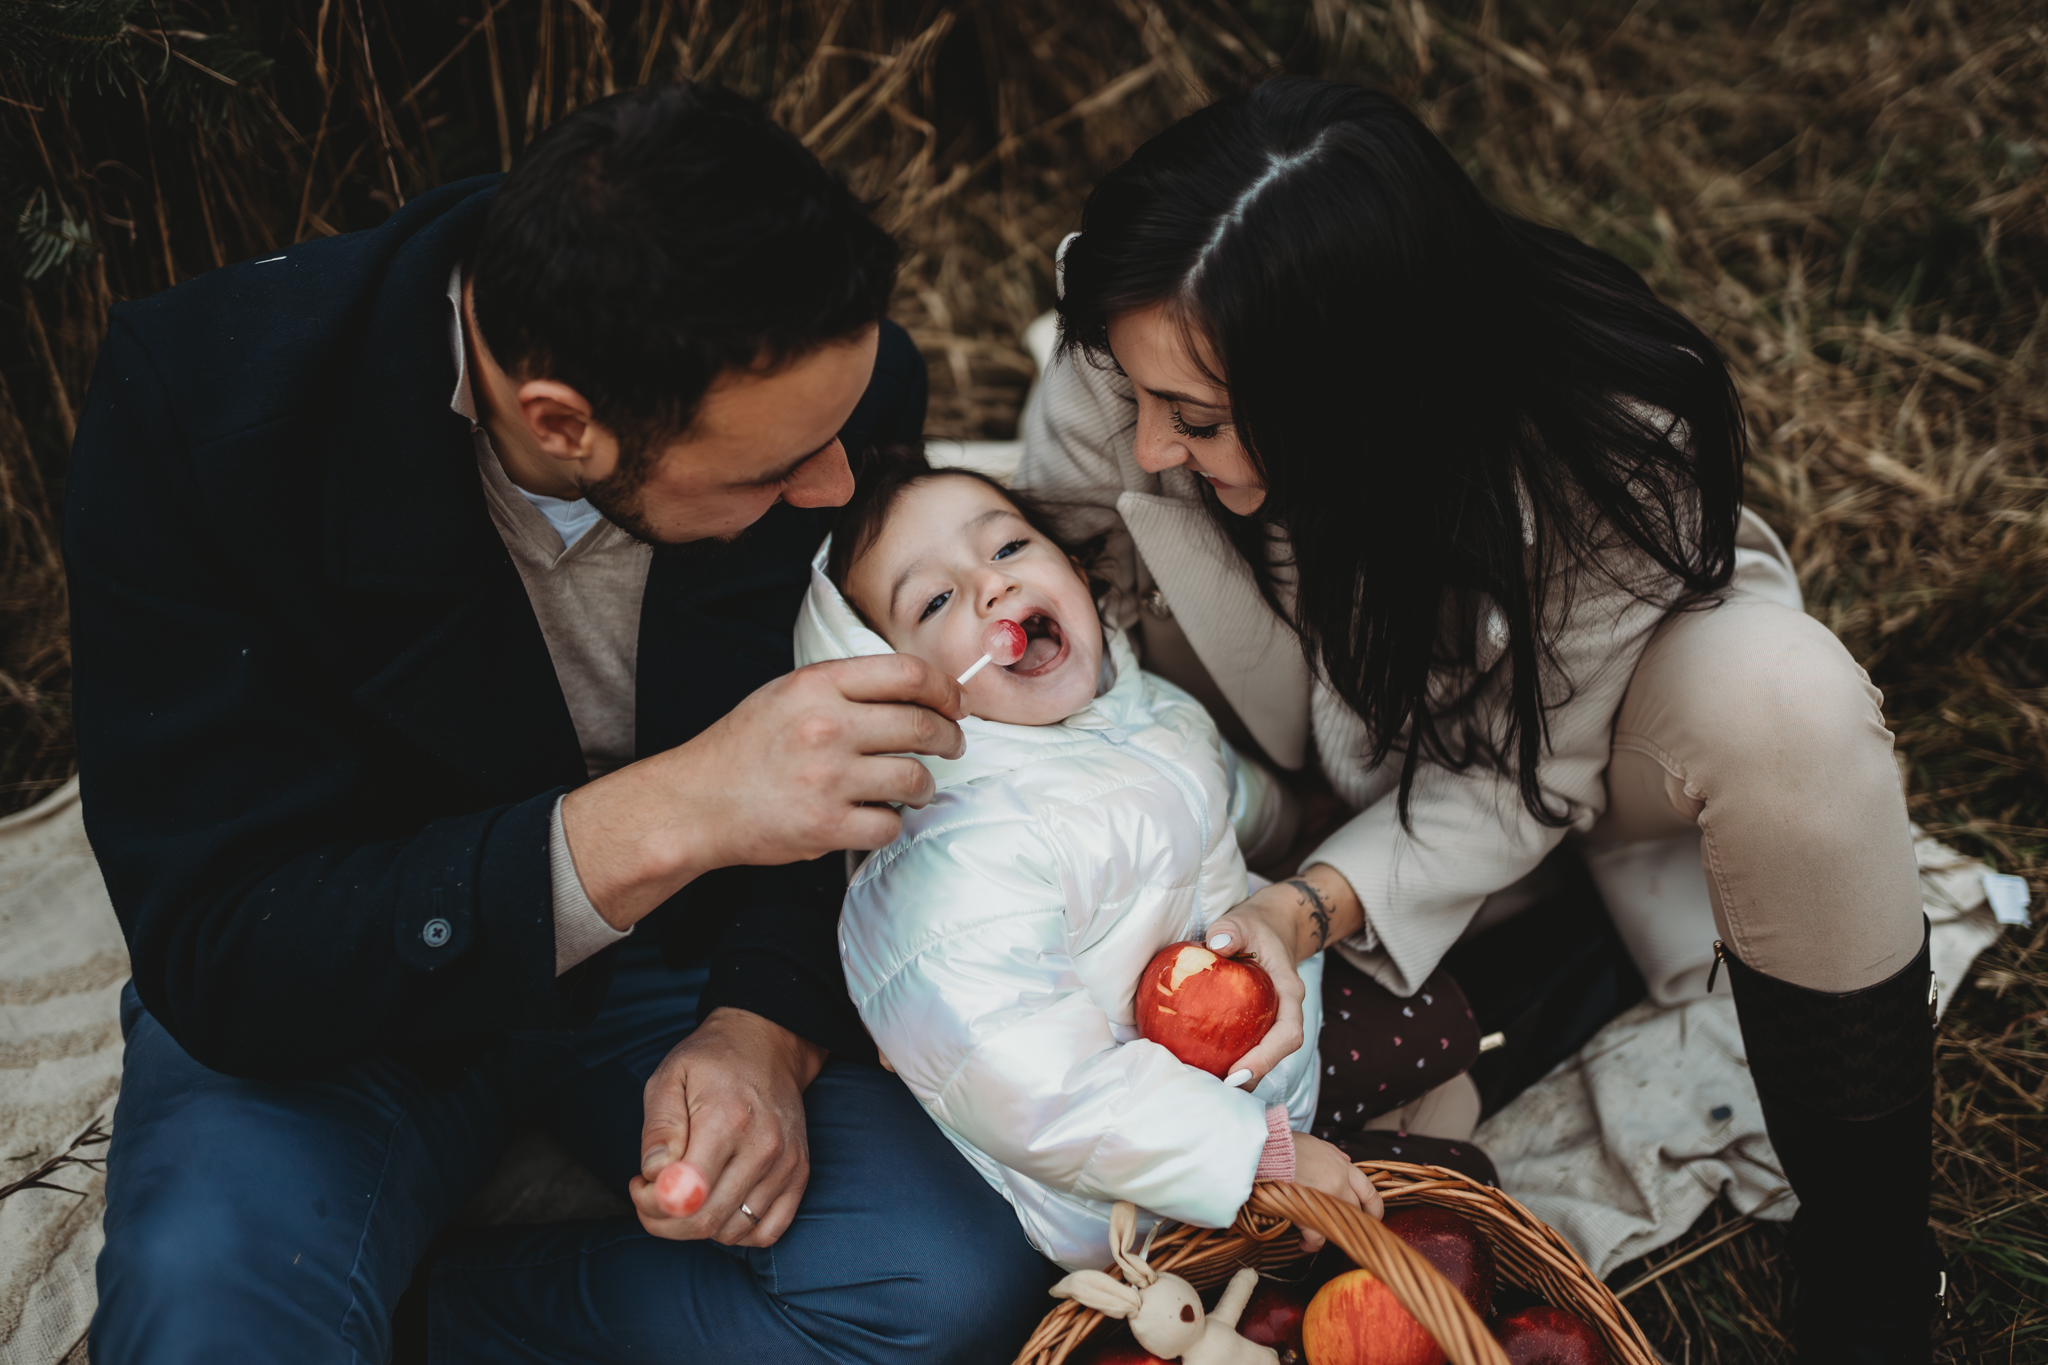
(1183, 416)
(952, 557)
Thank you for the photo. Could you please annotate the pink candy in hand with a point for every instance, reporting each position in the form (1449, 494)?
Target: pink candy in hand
(1003, 642)
(680, 1189)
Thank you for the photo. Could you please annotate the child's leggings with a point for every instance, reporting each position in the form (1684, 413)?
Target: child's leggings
(1388, 1065)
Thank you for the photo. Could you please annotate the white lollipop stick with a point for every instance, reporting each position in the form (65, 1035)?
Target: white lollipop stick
(978, 665)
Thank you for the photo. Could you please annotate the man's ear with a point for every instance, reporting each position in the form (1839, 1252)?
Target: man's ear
(559, 419)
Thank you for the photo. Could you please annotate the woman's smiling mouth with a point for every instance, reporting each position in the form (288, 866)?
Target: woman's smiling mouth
(1045, 647)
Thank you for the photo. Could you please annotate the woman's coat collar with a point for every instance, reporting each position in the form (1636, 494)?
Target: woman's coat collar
(1252, 655)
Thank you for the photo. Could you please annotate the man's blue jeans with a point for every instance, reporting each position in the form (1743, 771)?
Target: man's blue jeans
(251, 1220)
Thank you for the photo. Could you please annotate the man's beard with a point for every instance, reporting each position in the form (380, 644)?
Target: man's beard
(617, 499)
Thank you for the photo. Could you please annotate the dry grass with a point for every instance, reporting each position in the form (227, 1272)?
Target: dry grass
(1851, 198)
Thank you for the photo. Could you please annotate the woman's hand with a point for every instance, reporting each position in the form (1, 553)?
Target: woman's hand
(1281, 925)
(1320, 1166)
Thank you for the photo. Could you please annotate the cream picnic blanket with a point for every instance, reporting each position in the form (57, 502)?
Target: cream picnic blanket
(62, 963)
(1620, 1149)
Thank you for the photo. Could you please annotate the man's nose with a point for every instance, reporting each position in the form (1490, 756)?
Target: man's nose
(824, 480)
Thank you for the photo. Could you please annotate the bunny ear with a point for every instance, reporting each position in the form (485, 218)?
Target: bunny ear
(1093, 1289)
(1123, 1225)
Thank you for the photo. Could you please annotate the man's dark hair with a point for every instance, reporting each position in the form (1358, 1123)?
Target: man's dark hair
(885, 473)
(651, 240)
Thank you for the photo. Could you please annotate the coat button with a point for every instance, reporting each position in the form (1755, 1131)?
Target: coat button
(436, 932)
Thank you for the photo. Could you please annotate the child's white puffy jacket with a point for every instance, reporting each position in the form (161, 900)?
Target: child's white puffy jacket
(994, 949)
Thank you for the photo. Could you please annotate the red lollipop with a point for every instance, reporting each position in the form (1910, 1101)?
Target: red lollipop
(1003, 644)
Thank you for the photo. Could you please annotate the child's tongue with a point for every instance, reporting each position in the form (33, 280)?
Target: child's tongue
(1042, 645)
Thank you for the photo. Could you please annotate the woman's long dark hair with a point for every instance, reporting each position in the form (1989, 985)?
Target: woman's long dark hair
(1449, 406)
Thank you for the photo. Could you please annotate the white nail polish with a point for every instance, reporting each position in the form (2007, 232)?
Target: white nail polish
(1237, 1078)
(1218, 942)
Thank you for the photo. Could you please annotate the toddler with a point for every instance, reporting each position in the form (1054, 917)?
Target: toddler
(994, 949)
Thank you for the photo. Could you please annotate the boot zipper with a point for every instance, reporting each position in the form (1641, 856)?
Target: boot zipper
(1720, 956)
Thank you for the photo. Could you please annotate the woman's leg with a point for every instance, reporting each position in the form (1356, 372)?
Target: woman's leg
(1751, 723)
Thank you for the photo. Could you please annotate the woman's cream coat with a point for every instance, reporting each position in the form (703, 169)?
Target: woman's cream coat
(994, 949)
(1470, 834)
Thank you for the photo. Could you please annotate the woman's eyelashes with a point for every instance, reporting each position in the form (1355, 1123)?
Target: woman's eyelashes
(1198, 433)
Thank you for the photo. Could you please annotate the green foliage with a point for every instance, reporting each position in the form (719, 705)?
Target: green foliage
(46, 235)
(55, 48)
(52, 46)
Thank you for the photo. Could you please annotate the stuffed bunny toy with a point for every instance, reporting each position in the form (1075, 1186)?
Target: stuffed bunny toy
(1164, 1310)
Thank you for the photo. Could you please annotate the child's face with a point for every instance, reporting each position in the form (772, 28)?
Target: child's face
(953, 556)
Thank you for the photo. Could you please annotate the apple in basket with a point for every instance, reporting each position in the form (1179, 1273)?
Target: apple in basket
(1205, 1009)
(1273, 1317)
(1453, 1246)
(1356, 1320)
(1549, 1336)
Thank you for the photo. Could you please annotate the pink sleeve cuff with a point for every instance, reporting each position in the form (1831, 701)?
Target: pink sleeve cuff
(1277, 1161)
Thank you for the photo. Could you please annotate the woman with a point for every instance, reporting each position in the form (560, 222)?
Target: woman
(1447, 506)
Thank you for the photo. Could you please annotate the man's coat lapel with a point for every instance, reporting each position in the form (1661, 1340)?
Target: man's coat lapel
(474, 687)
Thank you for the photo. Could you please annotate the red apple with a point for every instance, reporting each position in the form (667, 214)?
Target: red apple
(1549, 1336)
(1204, 1009)
(1272, 1317)
(1452, 1245)
(1356, 1320)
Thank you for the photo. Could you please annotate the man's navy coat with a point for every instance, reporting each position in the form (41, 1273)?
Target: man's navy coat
(315, 712)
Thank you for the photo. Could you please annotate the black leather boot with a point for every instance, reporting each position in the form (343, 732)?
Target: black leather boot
(1846, 1083)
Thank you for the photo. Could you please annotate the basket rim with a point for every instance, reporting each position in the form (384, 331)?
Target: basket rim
(1528, 1252)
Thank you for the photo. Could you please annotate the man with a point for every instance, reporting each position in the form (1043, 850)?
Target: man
(432, 592)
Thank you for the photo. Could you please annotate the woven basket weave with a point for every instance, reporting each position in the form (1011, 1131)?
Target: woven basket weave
(1528, 1252)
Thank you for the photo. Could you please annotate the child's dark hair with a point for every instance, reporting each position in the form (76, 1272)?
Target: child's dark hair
(881, 476)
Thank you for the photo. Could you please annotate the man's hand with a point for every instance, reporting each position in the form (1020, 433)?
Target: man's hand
(729, 1100)
(803, 767)
(1321, 1166)
(1281, 925)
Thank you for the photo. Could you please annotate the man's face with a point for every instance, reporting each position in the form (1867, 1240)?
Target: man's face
(759, 438)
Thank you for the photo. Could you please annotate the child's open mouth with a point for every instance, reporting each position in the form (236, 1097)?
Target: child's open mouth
(1045, 646)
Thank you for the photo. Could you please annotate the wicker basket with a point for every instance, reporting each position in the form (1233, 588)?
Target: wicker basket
(1528, 1252)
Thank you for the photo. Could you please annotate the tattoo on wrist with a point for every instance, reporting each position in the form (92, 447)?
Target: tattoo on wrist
(1317, 911)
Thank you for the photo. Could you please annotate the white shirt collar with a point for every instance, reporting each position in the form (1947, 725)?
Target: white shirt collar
(462, 400)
